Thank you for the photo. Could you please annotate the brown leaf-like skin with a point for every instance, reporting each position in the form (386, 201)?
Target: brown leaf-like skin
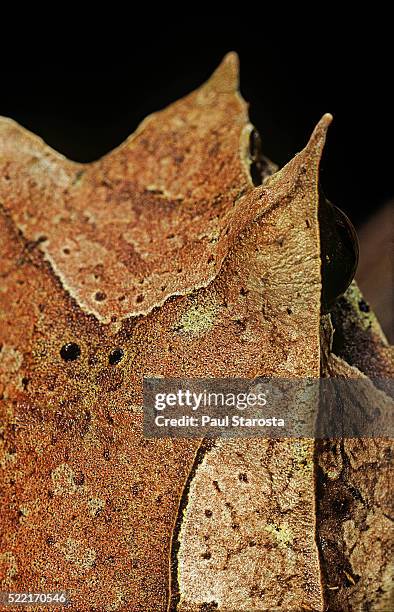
(152, 219)
(166, 250)
(354, 476)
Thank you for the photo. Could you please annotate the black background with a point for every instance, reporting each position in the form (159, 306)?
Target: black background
(86, 101)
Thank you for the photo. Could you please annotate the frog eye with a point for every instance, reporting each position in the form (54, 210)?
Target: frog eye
(339, 252)
(260, 166)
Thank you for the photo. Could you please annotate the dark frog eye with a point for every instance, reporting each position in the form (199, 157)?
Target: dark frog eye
(260, 166)
(338, 250)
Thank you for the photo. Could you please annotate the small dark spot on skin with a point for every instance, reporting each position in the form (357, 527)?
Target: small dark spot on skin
(20, 513)
(140, 298)
(242, 477)
(135, 489)
(255, 156)
(114, 318)
(252, 543)
(235, 526)
(208, 513)
(289, 311)
(170, 236)
(209, 607)
(206, 555)
(240, 324)
(106, 454)
(179, 270)
(115, 356)
(100, 296)
(164, 287)
(216, 485)
(243, 291)
(307, 223)
(255, 592)
(388, 454)
(70, 351)
(25, 382)
(66, 251)
(79, 478)
(50, 541)
(363, 306)
(210, 259)
(121, 298)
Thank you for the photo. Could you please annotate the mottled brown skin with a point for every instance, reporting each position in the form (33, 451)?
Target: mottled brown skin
(165, 249)
(354, 476)
(152, 219)
(358, 337)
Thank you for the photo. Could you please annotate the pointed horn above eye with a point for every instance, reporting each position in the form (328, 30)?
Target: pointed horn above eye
(225, 79)
(318, 137)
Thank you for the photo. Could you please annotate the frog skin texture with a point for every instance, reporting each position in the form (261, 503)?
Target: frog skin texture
(164, 259)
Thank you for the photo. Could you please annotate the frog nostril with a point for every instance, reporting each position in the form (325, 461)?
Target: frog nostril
(70, 351)
(115, 356)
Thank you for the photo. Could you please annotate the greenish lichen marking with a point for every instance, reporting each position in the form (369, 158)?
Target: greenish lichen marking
(282, 533)
(198, 319)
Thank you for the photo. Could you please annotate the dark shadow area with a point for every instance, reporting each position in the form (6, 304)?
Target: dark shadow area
(87, 104)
